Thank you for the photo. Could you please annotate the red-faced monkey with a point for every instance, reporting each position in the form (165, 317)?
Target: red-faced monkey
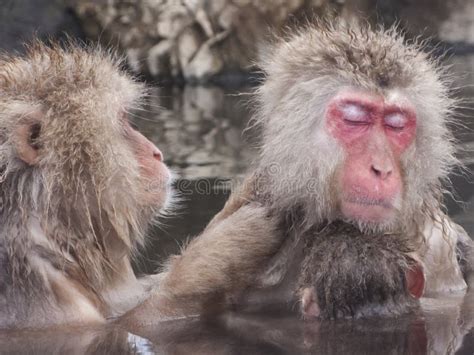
(78, 187)
(355, 129)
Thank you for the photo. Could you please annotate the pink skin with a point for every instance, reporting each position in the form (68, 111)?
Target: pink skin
(153, 171)
(309, 303)
(374, 133)
(415, 281)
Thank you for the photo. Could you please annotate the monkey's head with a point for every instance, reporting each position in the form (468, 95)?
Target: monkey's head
(67, 150)
(355, 126)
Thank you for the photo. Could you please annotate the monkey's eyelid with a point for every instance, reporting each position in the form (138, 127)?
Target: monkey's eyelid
(354, 113)
(396, 120)
(356, 123)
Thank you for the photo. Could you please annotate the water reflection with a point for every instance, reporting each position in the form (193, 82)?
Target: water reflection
(199, 129)
(442, 326)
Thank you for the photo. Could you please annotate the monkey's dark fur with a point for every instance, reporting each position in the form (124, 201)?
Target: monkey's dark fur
(356, 274)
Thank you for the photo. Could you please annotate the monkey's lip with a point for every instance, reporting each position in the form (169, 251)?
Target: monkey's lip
(365, 201)
(367, 209)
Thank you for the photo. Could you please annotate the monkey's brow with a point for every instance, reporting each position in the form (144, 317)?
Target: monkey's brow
(372, 106)
(365, 105)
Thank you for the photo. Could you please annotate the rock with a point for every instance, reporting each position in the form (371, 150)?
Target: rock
(155, 57)
(194, 39)
(171, 25)
(204, 40)
(204, 65)
(203, 20)
(226, 18)
(188, 44)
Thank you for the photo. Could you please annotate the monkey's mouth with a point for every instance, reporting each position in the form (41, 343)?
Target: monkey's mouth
(366, 201)
(364, 209)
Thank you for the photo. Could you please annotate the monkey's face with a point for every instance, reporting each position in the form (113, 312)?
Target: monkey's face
(374, 132)
(154, 175)
(64, 122)
(356, 121)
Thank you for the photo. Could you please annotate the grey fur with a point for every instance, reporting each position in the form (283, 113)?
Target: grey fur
(356, 274)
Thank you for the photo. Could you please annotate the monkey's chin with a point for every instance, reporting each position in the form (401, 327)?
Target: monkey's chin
(157, 187)
(378, 214)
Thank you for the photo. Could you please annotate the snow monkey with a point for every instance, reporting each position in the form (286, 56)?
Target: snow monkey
(355, 129)
(78, 188)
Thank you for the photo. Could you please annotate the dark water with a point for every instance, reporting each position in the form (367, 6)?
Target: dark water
(200, 132)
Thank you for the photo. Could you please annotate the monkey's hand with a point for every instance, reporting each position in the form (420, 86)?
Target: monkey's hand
(246, 194)
(309, 303)
(214, 268)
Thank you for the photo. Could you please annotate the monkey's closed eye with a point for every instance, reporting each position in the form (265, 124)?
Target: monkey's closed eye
(396, 121)
(356, 123)
(355, 115)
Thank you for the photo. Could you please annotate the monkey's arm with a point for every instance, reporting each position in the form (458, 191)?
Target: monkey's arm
(448, 256)
(217, 265)
(244, 195)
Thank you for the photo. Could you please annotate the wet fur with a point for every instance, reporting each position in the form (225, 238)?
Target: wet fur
(355, 274)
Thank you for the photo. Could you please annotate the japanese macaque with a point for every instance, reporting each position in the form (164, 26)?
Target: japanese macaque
(355, 129)
(78, 187)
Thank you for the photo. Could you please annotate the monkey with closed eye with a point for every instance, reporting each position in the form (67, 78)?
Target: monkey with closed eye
(355, 130)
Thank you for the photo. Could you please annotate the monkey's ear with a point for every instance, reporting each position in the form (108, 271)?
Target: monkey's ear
(26, 140)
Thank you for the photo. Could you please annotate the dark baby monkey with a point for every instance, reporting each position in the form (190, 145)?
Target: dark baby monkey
(346, 273)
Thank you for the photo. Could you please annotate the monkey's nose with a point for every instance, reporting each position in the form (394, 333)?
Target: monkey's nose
(157, 154)
(380, 172)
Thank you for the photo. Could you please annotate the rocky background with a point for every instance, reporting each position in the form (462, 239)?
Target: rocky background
(201, 41)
